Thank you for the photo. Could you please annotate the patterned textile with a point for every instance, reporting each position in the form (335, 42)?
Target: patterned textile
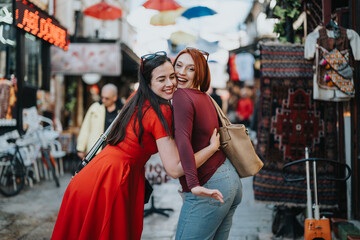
(284, 61)
(335, 59)
(289, 121)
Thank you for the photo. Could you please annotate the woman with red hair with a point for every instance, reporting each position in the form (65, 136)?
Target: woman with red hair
(195, 118)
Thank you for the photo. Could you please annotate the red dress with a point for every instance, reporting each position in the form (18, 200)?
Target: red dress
(105, 200)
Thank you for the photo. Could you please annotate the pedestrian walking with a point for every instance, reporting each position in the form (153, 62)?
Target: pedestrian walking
(195, 117)
(105, 200)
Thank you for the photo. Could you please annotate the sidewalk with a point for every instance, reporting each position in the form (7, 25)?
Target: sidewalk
(31, 215)
(251, 220)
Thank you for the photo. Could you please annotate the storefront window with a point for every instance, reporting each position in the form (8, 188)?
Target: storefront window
(7, 41)
(33, 63)
(8, 80)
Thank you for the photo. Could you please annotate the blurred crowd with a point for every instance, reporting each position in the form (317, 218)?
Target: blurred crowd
(238, 101)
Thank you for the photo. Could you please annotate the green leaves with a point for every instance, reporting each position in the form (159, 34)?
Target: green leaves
(280, 28)
(286, 10)
(294, 13)
(279, 12)
(71, 96)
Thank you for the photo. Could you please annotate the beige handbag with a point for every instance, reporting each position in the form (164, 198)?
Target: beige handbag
(237, 146)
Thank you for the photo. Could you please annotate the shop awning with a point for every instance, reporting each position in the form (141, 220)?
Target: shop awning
(131, 61)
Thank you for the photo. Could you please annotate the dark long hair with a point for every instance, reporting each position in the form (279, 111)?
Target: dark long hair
(136, 102)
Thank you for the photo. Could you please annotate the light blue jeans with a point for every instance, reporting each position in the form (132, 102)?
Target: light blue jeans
(203, 218)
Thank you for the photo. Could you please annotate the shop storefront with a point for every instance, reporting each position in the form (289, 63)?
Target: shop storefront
(293, 73)
(26, 34)
(8, 81)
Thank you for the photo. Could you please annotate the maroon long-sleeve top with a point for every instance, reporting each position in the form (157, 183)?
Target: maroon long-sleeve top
(195, 119)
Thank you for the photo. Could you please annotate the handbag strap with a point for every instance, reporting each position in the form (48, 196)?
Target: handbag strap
(223, 118)
(94, 149)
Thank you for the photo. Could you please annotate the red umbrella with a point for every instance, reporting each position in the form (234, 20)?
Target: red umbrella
(161, 5)
(103, 11)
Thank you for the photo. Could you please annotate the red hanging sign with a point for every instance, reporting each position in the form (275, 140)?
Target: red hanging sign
(36, 22)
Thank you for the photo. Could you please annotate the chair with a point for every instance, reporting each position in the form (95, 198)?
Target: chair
(47, 136)
(57, 152)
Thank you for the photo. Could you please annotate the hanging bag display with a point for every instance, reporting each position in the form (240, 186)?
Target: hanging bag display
(237, 146)
(338, 70)
(338, 62)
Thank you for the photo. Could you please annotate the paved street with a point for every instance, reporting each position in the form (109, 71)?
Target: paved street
(251, 220)
(31, 214)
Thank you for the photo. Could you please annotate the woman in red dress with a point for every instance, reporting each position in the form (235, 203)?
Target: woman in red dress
(105, 200)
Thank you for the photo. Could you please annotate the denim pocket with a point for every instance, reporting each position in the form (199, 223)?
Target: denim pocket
(221, 182)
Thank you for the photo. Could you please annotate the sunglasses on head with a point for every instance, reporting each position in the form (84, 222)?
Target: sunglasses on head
(151, 56)
(206, 54)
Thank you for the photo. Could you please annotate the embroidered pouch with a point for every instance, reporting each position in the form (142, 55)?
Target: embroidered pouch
(339, 63)
(338, 70)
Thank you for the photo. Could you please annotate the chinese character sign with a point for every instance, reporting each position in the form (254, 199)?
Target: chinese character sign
(38, 23)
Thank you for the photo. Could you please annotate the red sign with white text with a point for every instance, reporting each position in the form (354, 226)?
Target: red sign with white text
(36, 22)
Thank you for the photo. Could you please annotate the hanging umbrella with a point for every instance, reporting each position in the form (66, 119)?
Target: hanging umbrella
(181, 37)
(162, 5)
(198, 11)
(103, 11)
(166, 17)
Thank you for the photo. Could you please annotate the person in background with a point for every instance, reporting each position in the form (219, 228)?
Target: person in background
(195, 117)
(105, 200)
(215, 96)
(234, 95)
(98, 118)
(245, 107)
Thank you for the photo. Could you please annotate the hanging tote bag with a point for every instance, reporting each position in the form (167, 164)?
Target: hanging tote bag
(237, 146)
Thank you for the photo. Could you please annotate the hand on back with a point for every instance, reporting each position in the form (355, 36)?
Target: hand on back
(215, 140)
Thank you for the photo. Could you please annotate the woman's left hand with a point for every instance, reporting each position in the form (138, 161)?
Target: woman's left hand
(205, 192)
(215, 140)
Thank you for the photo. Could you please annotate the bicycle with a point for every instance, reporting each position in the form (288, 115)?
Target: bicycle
(50, 163)
(12, 172)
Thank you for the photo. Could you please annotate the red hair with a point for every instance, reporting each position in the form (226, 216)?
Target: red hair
(202, 72)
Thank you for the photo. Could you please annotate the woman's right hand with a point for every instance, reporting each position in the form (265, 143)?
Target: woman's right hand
(215, 140)
(205, 192)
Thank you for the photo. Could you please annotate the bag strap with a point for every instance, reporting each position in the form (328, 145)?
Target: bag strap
(90, 155)
(223, 118)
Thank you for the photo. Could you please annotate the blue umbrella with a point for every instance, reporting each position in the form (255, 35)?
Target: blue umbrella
(198, 11)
